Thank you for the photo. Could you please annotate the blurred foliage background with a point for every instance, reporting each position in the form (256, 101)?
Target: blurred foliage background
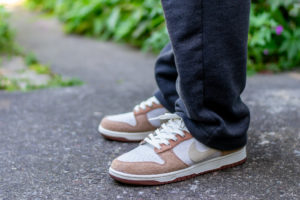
(274, 36)
(10, 50)
(7, 44)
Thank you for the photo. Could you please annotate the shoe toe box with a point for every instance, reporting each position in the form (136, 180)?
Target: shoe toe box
(122, 122)
(138, 161)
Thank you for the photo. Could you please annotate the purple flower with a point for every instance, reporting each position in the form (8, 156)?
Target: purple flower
(266, 52)
(279, 30)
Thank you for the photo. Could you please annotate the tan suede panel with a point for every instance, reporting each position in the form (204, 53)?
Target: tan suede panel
(142, 125)
(143, 112)
(174, 143)
(172, 163)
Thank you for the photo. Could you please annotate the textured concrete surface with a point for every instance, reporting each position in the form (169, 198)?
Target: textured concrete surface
(50, 148)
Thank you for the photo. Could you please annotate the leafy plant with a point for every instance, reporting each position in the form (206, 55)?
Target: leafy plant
(30, 59)
(18, 85)
(40, 69)
(138, 22)
(7, 44)
(274, 35)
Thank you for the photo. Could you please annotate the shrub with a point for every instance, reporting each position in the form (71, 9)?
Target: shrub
(7, 44)
(274, 35)
(137, 22)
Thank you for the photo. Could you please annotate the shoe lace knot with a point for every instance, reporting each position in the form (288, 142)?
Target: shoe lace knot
(173, 126)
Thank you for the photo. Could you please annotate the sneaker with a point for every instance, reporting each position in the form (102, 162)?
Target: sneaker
(171, 154)
(133, 126)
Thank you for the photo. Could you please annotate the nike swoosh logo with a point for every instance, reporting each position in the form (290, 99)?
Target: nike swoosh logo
(197, 156)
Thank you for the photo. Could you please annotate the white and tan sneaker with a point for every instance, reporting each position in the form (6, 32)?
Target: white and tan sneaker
(133, 126)
(171, 154)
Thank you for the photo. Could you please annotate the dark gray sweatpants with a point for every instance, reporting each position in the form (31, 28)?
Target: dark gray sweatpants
(202, 72)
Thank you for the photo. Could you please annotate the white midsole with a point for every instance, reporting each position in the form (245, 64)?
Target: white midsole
(126, 135)
(208, 165)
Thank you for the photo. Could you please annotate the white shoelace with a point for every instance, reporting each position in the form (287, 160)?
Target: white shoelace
(149, 102)
(168, 131)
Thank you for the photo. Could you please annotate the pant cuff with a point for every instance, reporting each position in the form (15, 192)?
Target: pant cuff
(163, 101)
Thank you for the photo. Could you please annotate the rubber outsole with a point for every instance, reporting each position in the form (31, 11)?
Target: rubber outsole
(118, 139)
(139, 182)
(122, 136)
